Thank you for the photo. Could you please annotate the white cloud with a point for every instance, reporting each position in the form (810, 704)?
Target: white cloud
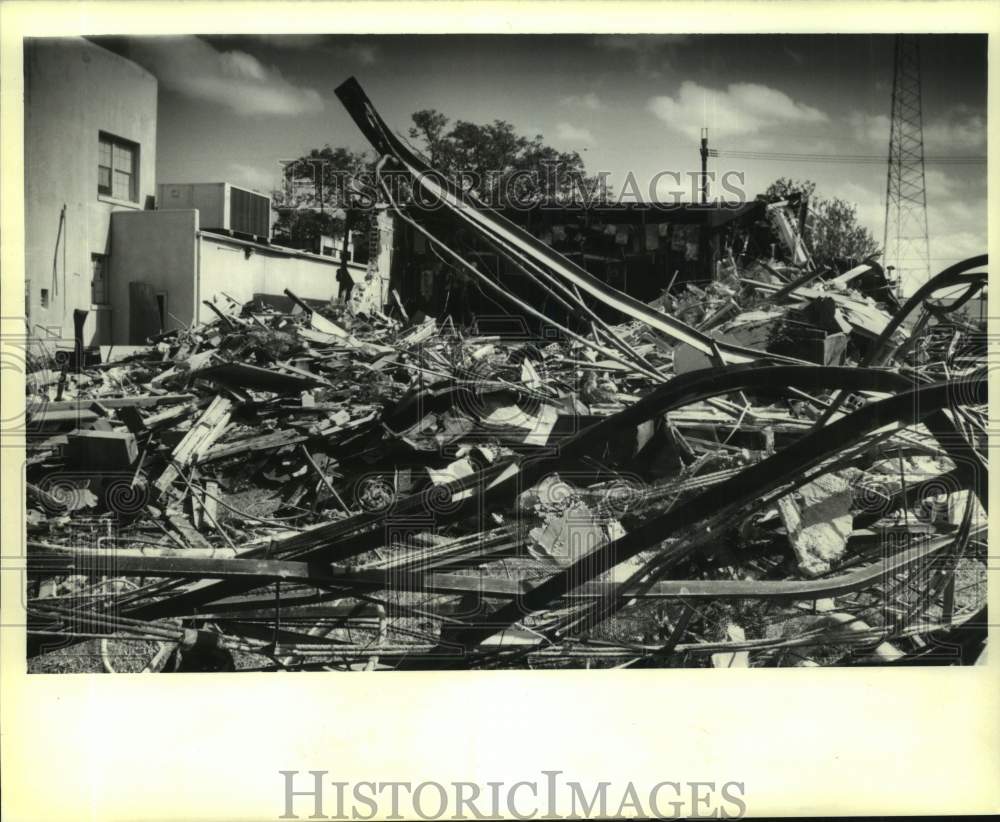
(233, 79)
(870, 129)
(741, 108)
(772, 142)
(960, 131)
(956, 227)
(575, 134)
(941, 184)
(260, 180)
(589, 100)
(956, 215)
(365, 53)
(947, 249)
(868, 201)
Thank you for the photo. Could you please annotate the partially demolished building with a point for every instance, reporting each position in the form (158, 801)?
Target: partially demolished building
(604, 439)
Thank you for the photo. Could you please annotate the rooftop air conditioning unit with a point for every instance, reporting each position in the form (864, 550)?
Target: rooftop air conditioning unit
(222, 207)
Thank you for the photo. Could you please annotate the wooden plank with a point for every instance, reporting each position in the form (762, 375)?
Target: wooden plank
(205, 507)
(172, 414)
(138, 401)
(183, 526)
(264, 442)
(74, 417)
(260, 379)
(198, 440)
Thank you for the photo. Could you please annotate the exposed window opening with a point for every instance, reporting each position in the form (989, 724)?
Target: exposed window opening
(99, 279)
(359, 248)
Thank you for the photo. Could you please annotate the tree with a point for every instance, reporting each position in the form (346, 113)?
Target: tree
(429, 125)
(833, 233)
(499, 165)
(491, 160)
(836, 234)
(786, 189)
(316, 195)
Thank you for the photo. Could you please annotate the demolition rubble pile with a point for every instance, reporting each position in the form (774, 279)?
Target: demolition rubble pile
(770, 471)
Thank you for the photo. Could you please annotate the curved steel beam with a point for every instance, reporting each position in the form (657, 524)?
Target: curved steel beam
(343, 539)
(48, 559)
(475, 213)
(961, 273)
(908, 407)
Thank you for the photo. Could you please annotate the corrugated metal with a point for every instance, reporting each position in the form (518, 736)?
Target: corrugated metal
(249, 213)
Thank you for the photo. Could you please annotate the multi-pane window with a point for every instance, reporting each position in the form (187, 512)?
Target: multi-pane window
(98, 279)
(117, 168)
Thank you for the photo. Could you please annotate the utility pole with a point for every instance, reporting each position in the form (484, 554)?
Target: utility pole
(906, 247)
(704, 166)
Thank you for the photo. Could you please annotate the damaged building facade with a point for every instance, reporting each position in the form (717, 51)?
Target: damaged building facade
(113, 257)
(642, 249)
(691, 259)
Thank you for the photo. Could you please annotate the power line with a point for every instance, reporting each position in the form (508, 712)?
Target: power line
(859, 159)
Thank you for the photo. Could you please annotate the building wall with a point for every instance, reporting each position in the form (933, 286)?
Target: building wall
(242, 270)
(377, 294)
(160, 249)
(167, 253)
(74, 90)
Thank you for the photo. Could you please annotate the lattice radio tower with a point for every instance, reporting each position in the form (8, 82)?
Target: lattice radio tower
(906, 246)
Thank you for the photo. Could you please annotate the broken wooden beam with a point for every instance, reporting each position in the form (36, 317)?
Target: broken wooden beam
(263, 442)
(205, 431)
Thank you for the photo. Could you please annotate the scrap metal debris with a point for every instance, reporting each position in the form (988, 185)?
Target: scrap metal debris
(779, 468)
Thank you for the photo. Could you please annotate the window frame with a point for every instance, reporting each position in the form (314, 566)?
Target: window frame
(117, 144)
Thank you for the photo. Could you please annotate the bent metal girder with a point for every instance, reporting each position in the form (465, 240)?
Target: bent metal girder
(470, 210)
(962, 273)
(62, 559)
(499, 485)
(908, 407)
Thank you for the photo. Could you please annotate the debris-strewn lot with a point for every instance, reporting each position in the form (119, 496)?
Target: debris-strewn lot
(779, 469)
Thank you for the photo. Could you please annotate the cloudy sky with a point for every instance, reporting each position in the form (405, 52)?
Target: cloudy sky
(232, 107)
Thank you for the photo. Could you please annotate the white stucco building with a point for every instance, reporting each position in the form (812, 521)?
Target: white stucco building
(90, 151)
(112, 258)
